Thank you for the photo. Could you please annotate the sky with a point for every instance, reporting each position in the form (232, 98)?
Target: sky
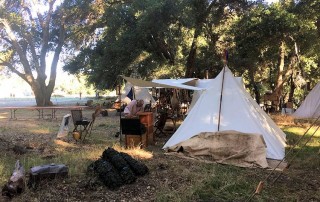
(271, 1)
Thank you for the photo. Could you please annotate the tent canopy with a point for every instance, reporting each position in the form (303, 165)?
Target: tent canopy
(176, 82)
(138, 92)
(238, 112)
(160, 83)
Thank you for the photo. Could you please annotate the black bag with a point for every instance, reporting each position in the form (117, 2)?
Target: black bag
(104, 113)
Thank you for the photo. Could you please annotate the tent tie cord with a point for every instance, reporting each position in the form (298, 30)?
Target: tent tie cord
(261, 183)
(293, 157)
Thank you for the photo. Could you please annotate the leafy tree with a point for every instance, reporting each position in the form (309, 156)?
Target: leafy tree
(32, 30)
(156, 38)
(270, 43)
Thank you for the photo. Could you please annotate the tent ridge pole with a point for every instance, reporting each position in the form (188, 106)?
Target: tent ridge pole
(220, 104)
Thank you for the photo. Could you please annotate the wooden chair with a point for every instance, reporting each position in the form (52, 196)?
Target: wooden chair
(147, 108)
(160, 123)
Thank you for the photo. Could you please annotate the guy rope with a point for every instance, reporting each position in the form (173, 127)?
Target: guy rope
(261, 183)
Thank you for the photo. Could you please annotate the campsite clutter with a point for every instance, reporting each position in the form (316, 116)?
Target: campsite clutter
(231, 128)
(16, 183)
(37, 174)
(115, 168)
(220, 104)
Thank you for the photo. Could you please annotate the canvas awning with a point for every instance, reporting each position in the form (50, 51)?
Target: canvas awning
(159, 84)
(183, 81)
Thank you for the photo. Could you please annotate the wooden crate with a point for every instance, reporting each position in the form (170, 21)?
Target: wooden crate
(270, 97)
(289, 105)
(146, 118)
(136, 140)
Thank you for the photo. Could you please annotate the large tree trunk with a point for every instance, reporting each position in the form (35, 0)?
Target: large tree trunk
(42, 94)
(190, 65)
(292, 88)
(255, 86)
(279, 82)
(318, 28)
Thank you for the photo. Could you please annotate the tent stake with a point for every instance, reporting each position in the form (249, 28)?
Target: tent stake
(259, 187)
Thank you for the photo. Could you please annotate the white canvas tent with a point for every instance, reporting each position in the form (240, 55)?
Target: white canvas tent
(310, 107)
(141, 87)
(206, 84)
(139, 94)
(238, 112)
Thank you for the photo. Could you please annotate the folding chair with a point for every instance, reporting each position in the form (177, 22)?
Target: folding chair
(79, 121)
(94, 116)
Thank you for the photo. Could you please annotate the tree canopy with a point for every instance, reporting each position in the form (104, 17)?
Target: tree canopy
(274, 47)
(156, 39)
(31, 31)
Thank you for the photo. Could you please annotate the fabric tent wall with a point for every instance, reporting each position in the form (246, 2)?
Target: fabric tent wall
(310, 107)
(206, 84)
(239, 112)
(140, 93)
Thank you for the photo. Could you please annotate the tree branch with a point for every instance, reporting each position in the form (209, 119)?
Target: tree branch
(16, 45)
(14, 70)
(57, 52)
(45, 40)
(29, 38)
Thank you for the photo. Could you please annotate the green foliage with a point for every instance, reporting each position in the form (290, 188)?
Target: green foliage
(257, 37)
(165, 39)
(150, 37)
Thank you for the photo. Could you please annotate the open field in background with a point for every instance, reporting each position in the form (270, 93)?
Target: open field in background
(170, 178)
(30, 101)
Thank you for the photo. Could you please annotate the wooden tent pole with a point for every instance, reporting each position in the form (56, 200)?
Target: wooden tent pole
(220, 104)
(133, 92)
(224, 70)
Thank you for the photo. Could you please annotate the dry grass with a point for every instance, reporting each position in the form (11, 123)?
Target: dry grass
(170, 178)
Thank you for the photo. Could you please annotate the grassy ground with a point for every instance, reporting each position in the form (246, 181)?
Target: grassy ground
(170, 178)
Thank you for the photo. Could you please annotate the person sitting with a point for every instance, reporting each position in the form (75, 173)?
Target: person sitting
(133, 108)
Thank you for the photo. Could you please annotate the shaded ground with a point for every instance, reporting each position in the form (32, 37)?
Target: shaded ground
(170, 178)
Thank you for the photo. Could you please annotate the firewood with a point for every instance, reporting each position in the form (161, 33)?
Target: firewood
(15, 184)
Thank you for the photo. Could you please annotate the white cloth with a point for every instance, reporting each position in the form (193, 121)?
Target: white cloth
(287, 111)
(64, 126)
(131, 109)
